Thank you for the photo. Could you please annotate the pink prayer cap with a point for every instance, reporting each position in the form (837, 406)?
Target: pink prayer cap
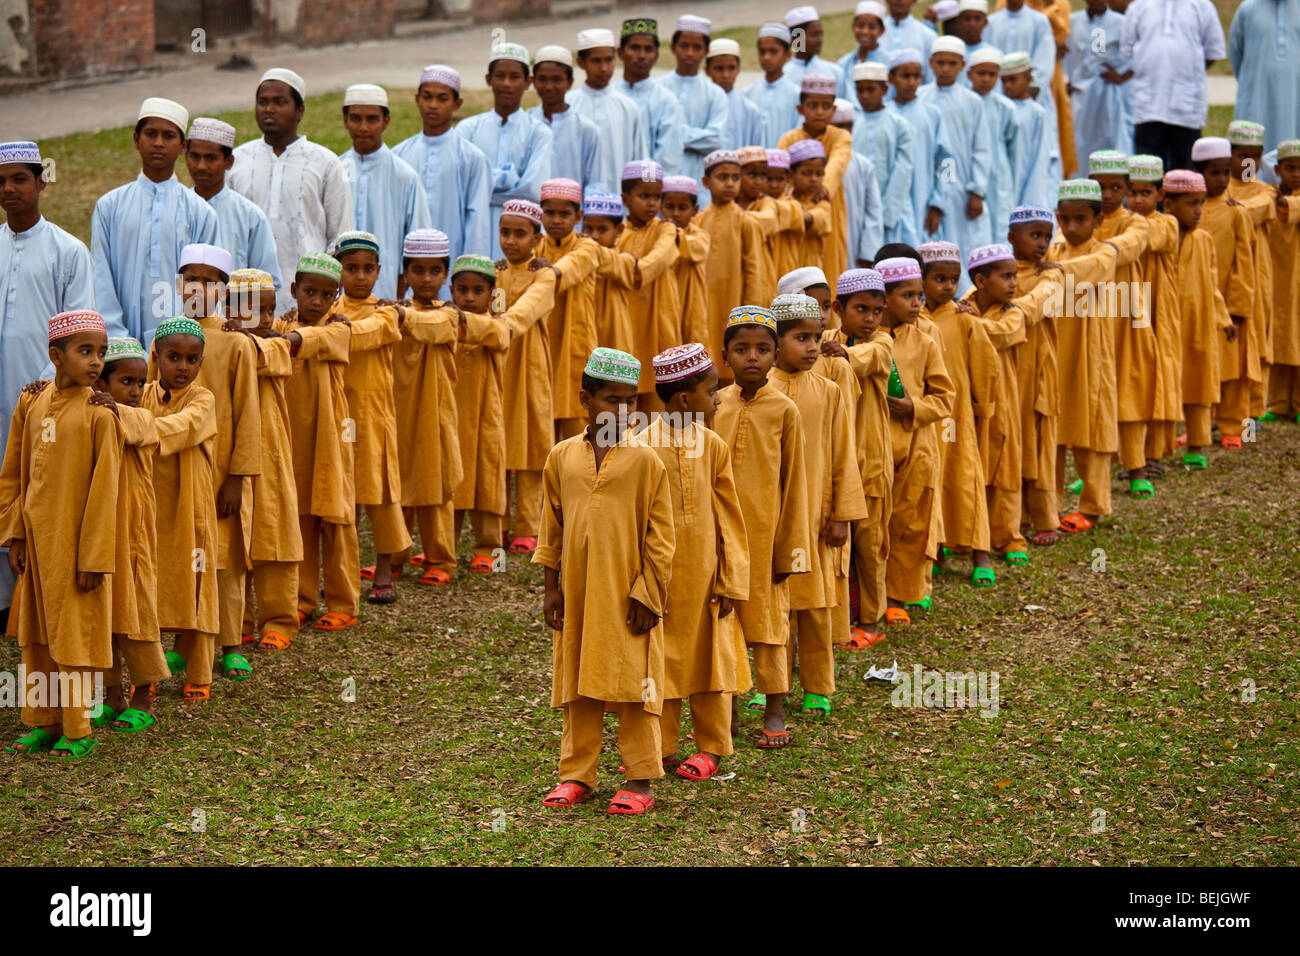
(561, 188)
(778, 159)
(681, 361)
(860, 280)
(939, 252)
(994, 252)
(899, 269)
(524, 208)
(80, 320)
(1184, 181)
(806, 149)
(682, 184)
(817, 83)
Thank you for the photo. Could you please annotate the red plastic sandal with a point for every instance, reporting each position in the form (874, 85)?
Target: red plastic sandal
(523, 546)
(435, 576)
(368, 574)
(1231, 442)
(860, 639)
(567, 795)
(631, 804)
(698, 767)
(417, 559)
(481, 564)
(1075, 522)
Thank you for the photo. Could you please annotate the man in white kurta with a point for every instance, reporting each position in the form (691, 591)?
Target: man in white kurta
(300, 185)
(598, 99)
(516, 143)
(242, 229)
(388, 198)
(1264, 49)
(137, 231)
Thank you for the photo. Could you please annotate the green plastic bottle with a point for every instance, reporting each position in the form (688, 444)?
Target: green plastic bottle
(895, 383)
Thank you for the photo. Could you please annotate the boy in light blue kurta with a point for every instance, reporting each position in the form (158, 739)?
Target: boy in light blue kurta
(1099, 81)
(885, 138)
(137, 231)
(242, 228)
(862, 197)
(703, 103)
(1037, 184)
(905, 76)
(1264, 50)
(868, 27)
(662, 119)
(1004, 138)
(388, 198)
(613, 113)
(576, 145)
(805, 24)
(455, 173)
(965, 167)
(906, 32)
(746, 124)
(516, 144)
(774, 95)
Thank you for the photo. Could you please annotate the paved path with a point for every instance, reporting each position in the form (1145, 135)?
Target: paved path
(202, 88)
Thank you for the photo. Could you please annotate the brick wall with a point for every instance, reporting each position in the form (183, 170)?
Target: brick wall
(83, 38)
(502, 11)
(322, 22)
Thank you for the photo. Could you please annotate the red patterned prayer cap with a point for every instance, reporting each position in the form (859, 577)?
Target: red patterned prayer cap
(79, 320)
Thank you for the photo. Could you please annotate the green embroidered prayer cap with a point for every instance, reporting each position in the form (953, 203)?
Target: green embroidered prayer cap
(1107, 162)
(1086, 190)
(125, 347)
(320, 264)
(180, 325)
(1146, 169)
(474, 263)
(611, 365)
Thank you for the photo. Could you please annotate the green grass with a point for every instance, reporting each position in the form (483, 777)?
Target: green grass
(1121, 693)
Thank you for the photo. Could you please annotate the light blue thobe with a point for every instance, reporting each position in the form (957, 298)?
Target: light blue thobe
(927, 159)
(1264, 49)
(136, 235)
(846, 63)
(886, 139)
(244, 231)
(662, 122)
(457, 185)
(964, 168)
(862, 199)
(908, 33)
(796, 68)
(746, 124)
(576, 149)
(519, 151)
(1028, 31)
(1038, 184)
(388, 201)
(704, 121)
(778, 103)
(1103, 113)
(619, 120)
(1004, 180)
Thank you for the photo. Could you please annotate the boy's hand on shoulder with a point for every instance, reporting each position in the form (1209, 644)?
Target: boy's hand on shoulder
(104, 400)
(501, 263)
(1045, 265)
(963, 305)
(835, 348)
(295, 340)
(836, 533)
(291, 315)
(18, 556)
(553, 609)
(36, 387)
(336, 317)
(88, 581)
(974, 206)
(537, 263)
(640, 619)
(725, 605)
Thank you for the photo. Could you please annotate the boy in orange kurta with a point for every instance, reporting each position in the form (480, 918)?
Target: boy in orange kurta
(1284, 246)
(571, 330)
(1159, 269)
(368, 385)
(323, 435)
(702, 640)
(602, 222)
(480, 387)
(807, 244)
(136, 640)
(607, 548)
(773, 215)
(1229, 225)
(275, 546)
(680, 206)
(971, 361)
(914, 436)
(817, 106)
(763, 430)
(529, 297)
(229, 372)
(57, 489)
(859, 306)
(1202, 312)
(184, 484)
(654, 305)
(734, 272)
(1259, 199)
(834, 499)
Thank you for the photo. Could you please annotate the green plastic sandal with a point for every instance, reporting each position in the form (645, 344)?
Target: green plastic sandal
(757, 703)
(175, 663)
(1017, 557)
(1194, 462)
(75, 749)
(1268, 417)
(231, 661)
(816, 704)
(924, 604)
(1141, 488)
(983, 577)
(34, 741)
(1075, 486)
(135, 720)
(102, 714)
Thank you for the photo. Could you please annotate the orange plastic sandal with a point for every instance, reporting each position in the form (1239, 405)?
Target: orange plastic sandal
(567, 795)
(1231, 442)
(1075, 522)
(335, 621)
(860, 639)
(196, 691)
(768, 739)
(275, 641)
(368, 574)
(1181, 441)
(303, 618)
(435, 577)
(897, 617)
(626, 802)
(481, 564)
(417, 559)
(153, 692)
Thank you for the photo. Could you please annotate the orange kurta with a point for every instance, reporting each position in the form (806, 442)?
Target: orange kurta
(571, 330)
(1234, 255)
(424, 383)
(654, 309)
(692, 284)
(276, 532)
(135, 574)
(1284, 246)
(734, 270)
(480, 384)
(775, 216)
(529, 421)
(1203, 318)
(1160, 271)
(1135, 338)
(1037, 381)
(368, 384)
(795, 248)
(838, 144)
